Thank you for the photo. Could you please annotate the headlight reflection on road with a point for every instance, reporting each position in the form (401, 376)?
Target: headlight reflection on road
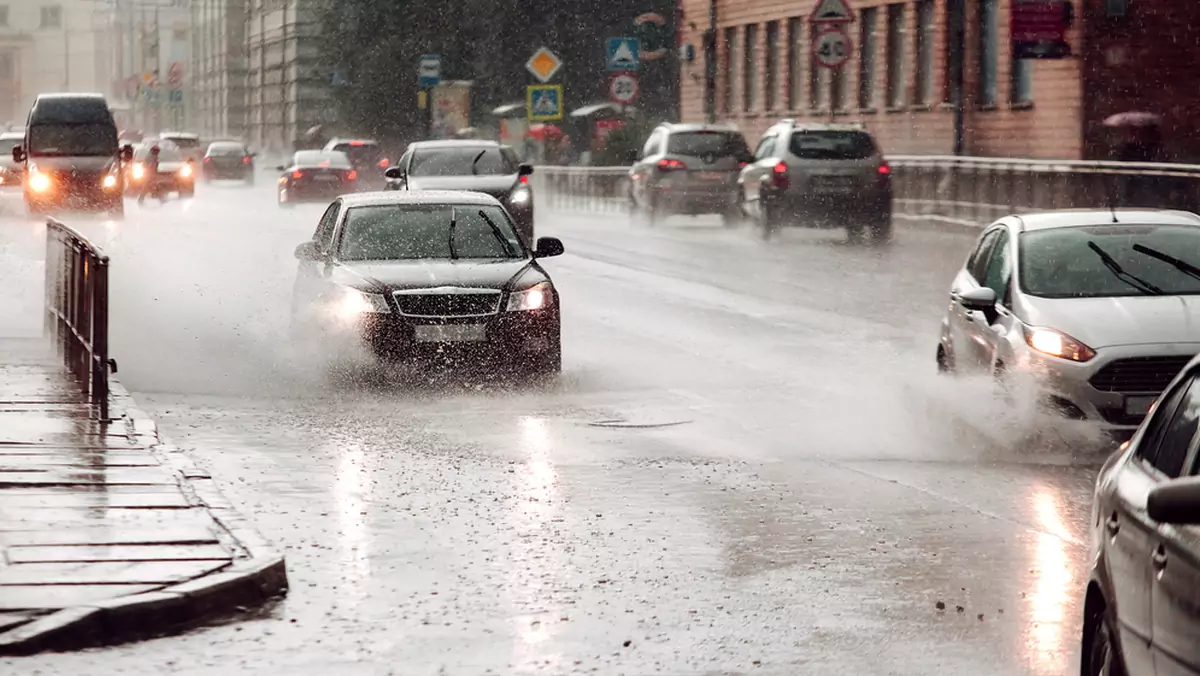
(1048, 645)
(352, 496)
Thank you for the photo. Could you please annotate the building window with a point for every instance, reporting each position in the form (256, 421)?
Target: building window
(866, 57)
(795, 70)
(987, 52)
(924, 93)
(52, 17)
(750, 66)
(818, 77)
(953, 52)
(1022, 80)
(771, 69)
(895, 56)
(731, 50)
(837, 88)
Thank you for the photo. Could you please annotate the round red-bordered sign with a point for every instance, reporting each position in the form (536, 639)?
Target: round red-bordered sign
(623, 88)
(832, 48)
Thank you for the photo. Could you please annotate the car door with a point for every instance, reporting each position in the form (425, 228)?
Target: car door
(1175, 560)
(642, 173)
(311, 275)
(964, 324)
(990, 332)
(753, 174)
(1132, 536)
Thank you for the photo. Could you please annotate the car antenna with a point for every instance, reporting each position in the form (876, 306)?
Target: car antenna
(453, 224)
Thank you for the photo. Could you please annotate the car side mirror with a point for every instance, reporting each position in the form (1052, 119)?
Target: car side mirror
(632, 156)
(982, 299)
(525, 170)
(748, 158)
(548, 247)
(1176, 502)
(280, 167)
(308, 251)
(18, 154)
(394, 173)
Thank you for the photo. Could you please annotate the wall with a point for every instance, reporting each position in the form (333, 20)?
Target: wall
(1048, 127)
(217, 91)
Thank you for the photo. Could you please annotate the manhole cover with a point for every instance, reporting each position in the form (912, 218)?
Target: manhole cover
(630, 424)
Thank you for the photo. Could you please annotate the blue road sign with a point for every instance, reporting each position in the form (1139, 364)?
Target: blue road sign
(543, 102)
(623, 54)
(429, 72)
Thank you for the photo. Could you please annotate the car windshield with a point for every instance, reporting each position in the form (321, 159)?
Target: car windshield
(1065, 263)
(361, 154)
(165, 154)
(461, 161)
(832, 145)
(73, 139)
(416, 232)
(226, 149)
(185, 142)
(320, 158)
(707, 143)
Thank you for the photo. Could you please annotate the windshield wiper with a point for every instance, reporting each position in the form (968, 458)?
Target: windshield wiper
(1180, 265)
(1120, 273)
(499, 235)
(453, 225)
(475, 161)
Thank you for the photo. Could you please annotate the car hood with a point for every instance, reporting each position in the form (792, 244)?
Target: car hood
(382, 276)
(496, 186)
(104, 163)
(1126, 320)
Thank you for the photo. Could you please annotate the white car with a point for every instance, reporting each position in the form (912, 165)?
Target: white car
(1101, 307)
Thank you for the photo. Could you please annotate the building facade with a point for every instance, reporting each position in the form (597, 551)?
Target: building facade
(148, 53)
(908, 65)
(219, 69)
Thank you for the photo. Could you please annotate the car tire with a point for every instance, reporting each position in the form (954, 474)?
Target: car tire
(945, 365)
(1100, 656)
(770, 216)
(881, 229)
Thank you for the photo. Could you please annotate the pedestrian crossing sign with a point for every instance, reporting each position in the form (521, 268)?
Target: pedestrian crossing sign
(543, 102)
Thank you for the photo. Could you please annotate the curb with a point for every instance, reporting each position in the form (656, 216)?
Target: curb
(257, 575)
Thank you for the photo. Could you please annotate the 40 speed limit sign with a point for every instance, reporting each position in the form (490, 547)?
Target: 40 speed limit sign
(831, 48)
(623, 88)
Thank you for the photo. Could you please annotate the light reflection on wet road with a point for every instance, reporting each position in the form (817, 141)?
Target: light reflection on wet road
(824, 491)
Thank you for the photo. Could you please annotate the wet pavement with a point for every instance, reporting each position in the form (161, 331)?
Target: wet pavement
(748, 465)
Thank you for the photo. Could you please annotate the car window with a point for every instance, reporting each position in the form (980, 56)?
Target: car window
(832, 145)
(88, 139)
(766, 148)
(320, 158)
(652, 145)
(184, 142)
(362, 153)
(324, 234)
(977, 264)
(226, 149)
(417, 232)
(706, 144)
(1170, 438)
(1070, 262)
(999, 267)
(461, 161)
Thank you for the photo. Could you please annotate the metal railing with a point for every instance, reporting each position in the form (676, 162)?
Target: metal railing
(965, 190)
(76, 317)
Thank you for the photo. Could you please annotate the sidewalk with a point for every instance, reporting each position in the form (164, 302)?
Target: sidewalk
(106, 535)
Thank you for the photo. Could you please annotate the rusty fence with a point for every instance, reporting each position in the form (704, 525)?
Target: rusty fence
(76, 317)
(971, 191)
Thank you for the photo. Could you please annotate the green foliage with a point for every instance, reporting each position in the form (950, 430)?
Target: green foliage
(620, 141)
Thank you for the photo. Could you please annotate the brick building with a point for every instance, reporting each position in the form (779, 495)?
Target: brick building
(900, 79)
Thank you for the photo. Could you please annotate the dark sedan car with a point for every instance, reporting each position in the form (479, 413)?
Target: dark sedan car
(479, 166)
(366, 156)
(1142, 609)
(428, 277)
(226, 160)
(316, 176)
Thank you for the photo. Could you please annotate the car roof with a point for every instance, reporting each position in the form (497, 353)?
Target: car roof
(1076, 218)
(354, 140)
(456, 143)
(447, 197)
(681, 127)
(178, 134)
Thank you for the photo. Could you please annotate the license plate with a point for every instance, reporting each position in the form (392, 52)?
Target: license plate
(833, 182)
(1138, 405)
(451, 333)
(712, 176)
(321, 177)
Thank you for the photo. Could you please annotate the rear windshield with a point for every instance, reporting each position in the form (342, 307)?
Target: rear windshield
(707, 143)
(87, 139)
(184, 141)
(166, 153)
(360, 155)
(321, 158)
(1065, 262)
(462, 161)
(226, 149)
(832, 145)
(414, 232)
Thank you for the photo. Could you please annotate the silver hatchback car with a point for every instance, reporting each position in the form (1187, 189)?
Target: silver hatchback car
(1101, 307)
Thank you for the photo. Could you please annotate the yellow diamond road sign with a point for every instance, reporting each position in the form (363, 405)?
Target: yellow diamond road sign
(543, 64)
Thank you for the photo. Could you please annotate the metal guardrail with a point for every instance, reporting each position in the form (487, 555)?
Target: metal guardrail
(76, 318)
(964, 190)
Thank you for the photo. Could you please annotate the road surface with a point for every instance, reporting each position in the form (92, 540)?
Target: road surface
(747, 466)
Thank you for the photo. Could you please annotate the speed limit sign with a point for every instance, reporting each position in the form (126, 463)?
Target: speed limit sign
(831, 48)
(623, 88)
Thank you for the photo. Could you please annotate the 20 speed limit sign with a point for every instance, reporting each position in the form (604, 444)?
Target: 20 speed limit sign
(832, 48)
(623, 88)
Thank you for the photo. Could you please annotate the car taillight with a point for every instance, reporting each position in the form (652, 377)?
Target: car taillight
(671, 165)
(351, 175)
(208, 159)
(743, 165)
(246, 160)
(779, 176)
(884, 169)
(525, 179)
(383, 163)
(297, 174)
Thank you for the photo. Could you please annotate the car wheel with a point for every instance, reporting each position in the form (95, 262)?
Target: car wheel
(769, 217)
(945, 365)
(1099, 653)
(881, 230)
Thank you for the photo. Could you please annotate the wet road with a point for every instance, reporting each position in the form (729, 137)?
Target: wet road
(789, 488)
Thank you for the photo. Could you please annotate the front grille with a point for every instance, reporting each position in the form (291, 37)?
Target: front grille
(449, 304)
(1149, 375)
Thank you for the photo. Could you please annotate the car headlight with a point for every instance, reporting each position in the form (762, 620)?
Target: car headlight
(139, 170)
(534, 298)
(38, 181)
(110, 181)
(519, 196)
(185, 171)
(1057, 344)
(353, 303)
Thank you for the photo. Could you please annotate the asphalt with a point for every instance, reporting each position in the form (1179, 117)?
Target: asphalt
(747, 466)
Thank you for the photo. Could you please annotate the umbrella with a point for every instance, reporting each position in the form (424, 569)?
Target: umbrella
(543, 132)
(1133, 119)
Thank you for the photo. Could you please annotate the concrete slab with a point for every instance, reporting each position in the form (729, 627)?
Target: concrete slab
(68, 476)
(48, 597)
(85, 553)
(43, 461)
(107, 534)
(20, 500)
(107, 572)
